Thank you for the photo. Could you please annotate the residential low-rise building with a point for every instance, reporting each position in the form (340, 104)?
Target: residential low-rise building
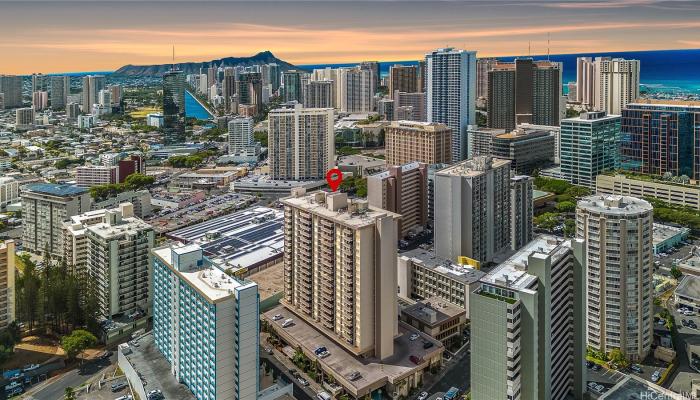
(667, 236)
(436, 318)
(423, 275)
(687, 293)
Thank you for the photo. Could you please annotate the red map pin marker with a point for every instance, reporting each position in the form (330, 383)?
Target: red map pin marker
(334, 178)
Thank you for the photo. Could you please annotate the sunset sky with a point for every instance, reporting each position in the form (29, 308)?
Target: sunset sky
(60, 36)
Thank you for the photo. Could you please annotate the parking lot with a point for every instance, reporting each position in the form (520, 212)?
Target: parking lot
(607, 378)
(166, 221)
(663, 262)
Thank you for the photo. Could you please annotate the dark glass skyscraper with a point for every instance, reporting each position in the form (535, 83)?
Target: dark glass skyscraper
(173, 107)
(662, 136)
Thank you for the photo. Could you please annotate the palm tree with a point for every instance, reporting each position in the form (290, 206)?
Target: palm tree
(69, 394)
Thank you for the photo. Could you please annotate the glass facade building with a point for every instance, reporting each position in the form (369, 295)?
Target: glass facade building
(589, 145)
(661, 138)
(173, 107)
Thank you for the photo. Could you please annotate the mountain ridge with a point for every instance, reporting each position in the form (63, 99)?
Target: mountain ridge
(263, 57)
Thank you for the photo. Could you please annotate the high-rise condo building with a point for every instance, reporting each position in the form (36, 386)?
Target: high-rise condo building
(9, 191)
(174, 107)
(24, 117)
(403, 78)
(7, 283)
(451, 94)
(292, 88)
(618, 232)
(40, 83)
(118, 251)
(483, 66)
(206, 324)
(72, 111)
(240, 134)
(524, 91)
(528, 326)
(521, 211)
(249, 88)
(607, 84)
(318, 94)
(60, 89)
(414, 100)
(589, 145)
(660, 136)
(271, 75)
(373, 68)
(355, 90)
(44, 208)
(11, 89)
(40, 100)
(385, 109)
(75, 241)
(402, 189)
(94, 175)
(425, 142)
(92, 84)
(472, 209)
(228, 88)
(301, 143)
(340, 270)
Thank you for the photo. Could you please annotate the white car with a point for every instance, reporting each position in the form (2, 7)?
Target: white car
(655, 376)
(414, 337)
(423, 396)
(689, 313)
(276, 317)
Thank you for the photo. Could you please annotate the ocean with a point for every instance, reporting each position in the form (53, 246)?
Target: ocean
(660, 70)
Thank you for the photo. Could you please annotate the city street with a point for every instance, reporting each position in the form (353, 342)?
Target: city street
(54, 387)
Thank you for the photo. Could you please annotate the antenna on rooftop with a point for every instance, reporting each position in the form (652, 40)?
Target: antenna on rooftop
(547, 46)
(528, 48)
(174, 58)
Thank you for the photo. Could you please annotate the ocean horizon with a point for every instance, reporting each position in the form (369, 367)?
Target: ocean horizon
(660, 70)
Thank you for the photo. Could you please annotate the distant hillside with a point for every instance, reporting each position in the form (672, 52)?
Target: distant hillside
(264, 57)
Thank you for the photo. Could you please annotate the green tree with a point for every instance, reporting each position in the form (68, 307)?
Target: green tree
(77, 342)
(578, 191)
(618, 357)
(676, 272)
(566, 206)
(547, 220)
(569, 227)
(138, 181)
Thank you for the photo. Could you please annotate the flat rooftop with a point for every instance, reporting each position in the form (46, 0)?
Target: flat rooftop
(242, 239)
(512, 273)
(615, 204)
(444, 266)
(689, 287)
(127, 226)
(211, 281)
(433, 311)
(343, 216)
(634, 387)
(663, 232)
(155, 369)
(375, 374)
(54, 189)
(474, 167)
